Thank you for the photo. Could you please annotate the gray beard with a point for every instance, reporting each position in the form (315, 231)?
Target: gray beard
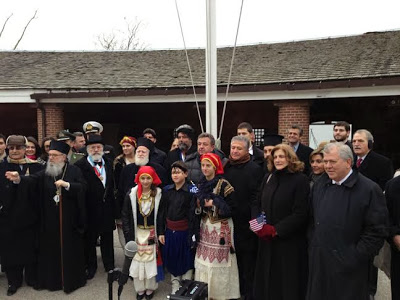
(54, 169)
(141, 161)
(96, 157)
(183, 147)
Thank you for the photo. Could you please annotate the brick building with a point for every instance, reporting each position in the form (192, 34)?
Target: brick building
(355, 78)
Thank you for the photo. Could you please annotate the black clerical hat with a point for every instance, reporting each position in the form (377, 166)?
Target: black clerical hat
(272, 139)
(60, 146)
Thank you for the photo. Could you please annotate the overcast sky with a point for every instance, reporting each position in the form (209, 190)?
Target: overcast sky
(74, 24)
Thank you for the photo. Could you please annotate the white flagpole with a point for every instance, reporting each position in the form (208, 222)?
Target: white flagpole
(211, 69)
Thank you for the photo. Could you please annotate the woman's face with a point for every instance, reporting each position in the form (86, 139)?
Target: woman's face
(280, 160)
(128, 149)
(30, 149)
(317, 164)
(208, 169)
(146, 181)
(47, 146)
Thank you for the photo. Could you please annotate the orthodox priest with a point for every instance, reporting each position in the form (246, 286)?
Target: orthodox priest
(60, 189)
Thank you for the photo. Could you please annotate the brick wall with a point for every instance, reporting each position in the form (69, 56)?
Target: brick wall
(294, 113)
(54, 115)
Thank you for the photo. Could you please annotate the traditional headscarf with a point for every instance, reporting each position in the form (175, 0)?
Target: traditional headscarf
(146, 170)
(215, 160)
(129, 140)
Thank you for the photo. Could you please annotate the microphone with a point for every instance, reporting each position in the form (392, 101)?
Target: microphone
(130, 250)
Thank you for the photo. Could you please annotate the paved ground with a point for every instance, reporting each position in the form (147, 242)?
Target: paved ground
(97, 288)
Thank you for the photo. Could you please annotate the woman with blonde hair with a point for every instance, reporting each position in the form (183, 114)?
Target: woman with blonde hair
(281, 268)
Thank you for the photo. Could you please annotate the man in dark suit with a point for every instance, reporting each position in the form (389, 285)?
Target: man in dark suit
(392, 194)
(100, 205)
(256, 154)
(376, 167)
(341, 133)
(302, 151)
(95, 128)
(157, 156)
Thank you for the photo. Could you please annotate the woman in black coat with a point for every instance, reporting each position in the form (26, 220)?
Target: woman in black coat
(281, 269)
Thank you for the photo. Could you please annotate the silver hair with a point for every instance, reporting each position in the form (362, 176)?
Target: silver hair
(241, 138)
(368, 134)
(344, 151)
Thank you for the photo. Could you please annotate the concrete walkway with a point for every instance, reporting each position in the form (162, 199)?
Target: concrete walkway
(97, 288)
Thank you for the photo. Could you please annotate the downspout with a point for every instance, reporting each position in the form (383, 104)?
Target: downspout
(39, 105)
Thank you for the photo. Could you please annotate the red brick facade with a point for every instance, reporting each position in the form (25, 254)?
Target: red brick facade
(54, 120)
(294, 113)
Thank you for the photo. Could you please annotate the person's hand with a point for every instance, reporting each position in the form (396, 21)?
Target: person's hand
(61, 183)
(396, 241)
(13, 176)
(267, 232)
(161, 238)
(208, 203)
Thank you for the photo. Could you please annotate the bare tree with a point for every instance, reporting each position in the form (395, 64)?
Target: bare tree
(4, 24)
(23, 32)
(126, 39)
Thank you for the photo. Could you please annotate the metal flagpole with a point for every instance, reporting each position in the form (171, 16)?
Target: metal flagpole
(211, 69)
(61, 239)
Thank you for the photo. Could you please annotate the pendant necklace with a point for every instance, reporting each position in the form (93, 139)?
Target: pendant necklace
(56, 198)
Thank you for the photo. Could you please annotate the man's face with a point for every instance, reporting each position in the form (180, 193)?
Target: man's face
(336, 167)
(340, 134)
(184, 141)
(238, 150)
(360, 144)
(2, 146)
(150, 137)
(142, 152)
(204, 146)
(95, 151)
(79, 142)
(294, 136)
(244, 132)
(56, 157)
(267, 151)
(16, 152)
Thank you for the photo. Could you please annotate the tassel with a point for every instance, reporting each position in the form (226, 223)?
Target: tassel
(231, 250)
(222, 241)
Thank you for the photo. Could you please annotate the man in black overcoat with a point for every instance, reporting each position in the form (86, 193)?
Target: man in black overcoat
(347, 228)
(60, 191)
(302, 151)
(376, 167)
(245, 176)
(18, 217)
(392, 194)
(100, 205)
(245, 129)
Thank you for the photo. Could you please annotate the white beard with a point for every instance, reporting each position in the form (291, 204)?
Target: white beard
(54, 169)
(96, 157)
(141, 161)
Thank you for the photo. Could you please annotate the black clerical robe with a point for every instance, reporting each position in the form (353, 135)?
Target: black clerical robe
(61, 261)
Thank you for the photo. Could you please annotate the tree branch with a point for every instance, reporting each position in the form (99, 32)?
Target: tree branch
(23, 32)
(4, 25)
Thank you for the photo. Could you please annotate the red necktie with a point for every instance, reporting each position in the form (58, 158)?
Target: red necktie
(358, 163)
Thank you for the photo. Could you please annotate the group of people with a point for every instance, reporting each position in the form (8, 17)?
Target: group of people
(286, 222)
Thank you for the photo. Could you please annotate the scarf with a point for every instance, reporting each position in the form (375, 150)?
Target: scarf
(22, 161)
(242, 160)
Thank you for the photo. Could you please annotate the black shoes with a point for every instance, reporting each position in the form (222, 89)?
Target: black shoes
(148, 297)
(140, 297)
(12, 289)
(90, 274)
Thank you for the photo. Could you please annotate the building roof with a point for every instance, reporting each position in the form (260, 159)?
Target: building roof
(371, 55)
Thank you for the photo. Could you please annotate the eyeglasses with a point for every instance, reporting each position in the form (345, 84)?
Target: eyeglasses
(15, 147)
(55, 155)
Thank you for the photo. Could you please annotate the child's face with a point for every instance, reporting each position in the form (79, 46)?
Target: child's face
(178, 176)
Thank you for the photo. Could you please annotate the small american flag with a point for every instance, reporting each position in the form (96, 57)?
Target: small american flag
(257, 223)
